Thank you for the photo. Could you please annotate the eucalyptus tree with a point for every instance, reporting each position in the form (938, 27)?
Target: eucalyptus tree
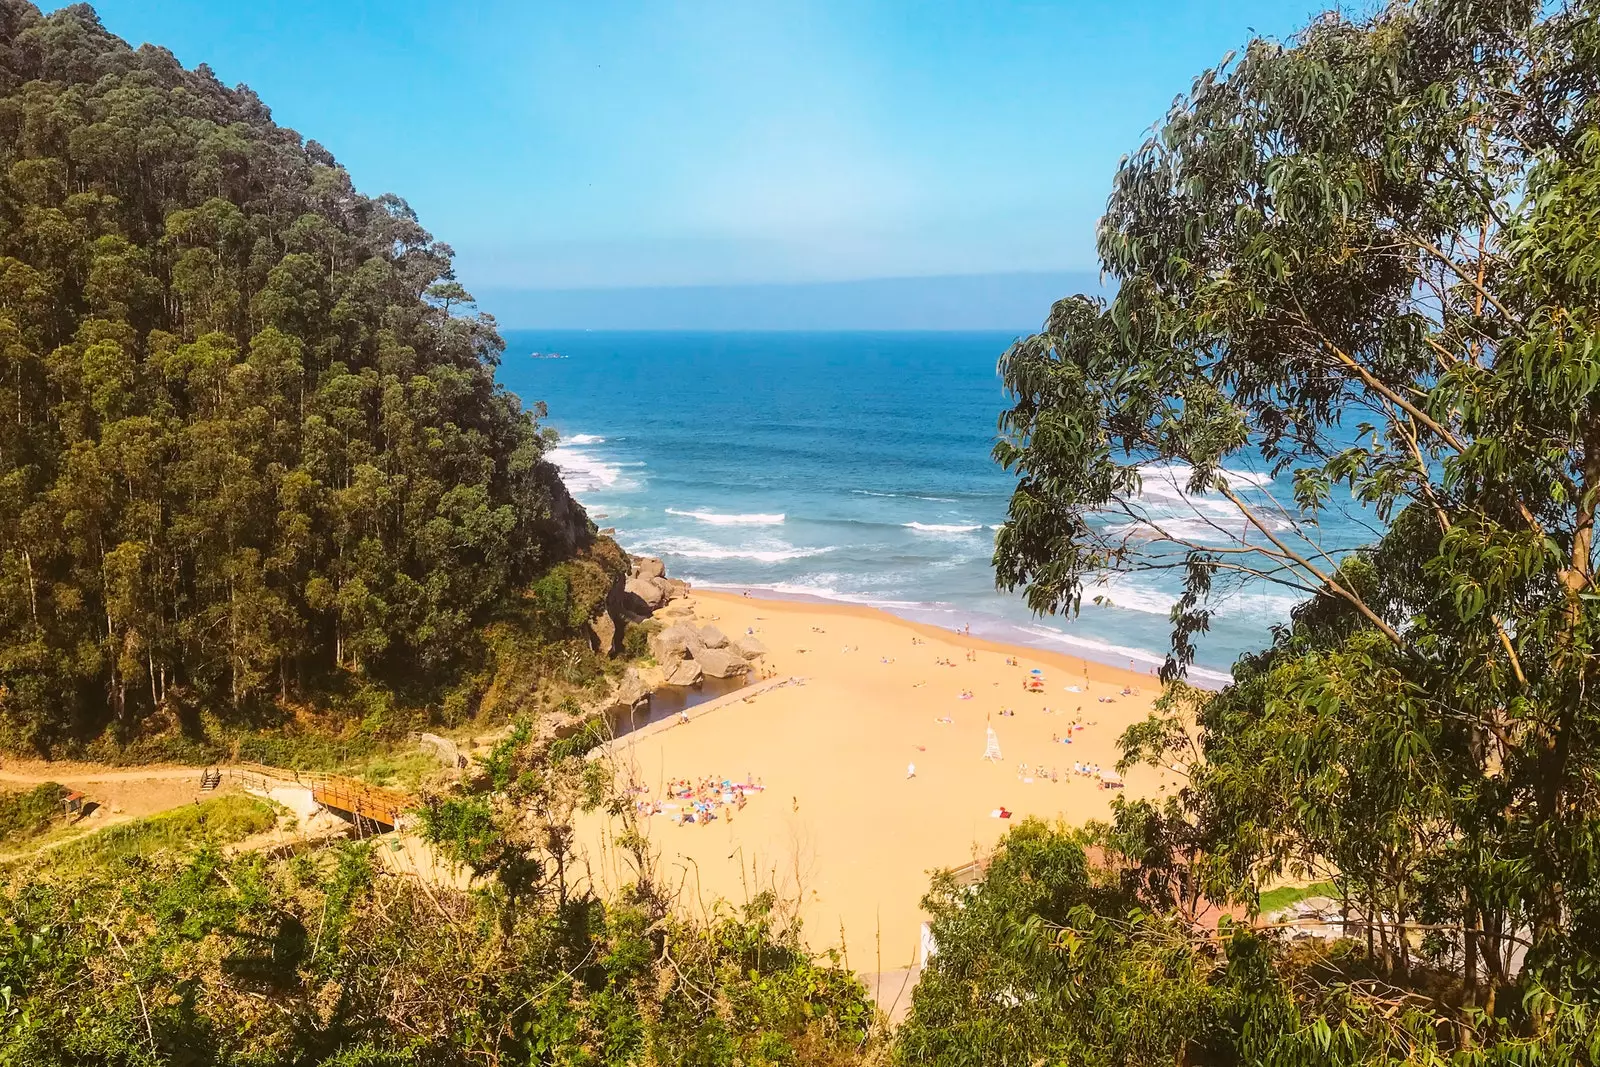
(251, 445)
(1357, 275)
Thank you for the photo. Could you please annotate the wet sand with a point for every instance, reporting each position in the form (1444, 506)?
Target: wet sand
(840, 827)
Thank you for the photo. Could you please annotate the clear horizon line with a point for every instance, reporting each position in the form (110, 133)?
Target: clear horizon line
(1095, 272)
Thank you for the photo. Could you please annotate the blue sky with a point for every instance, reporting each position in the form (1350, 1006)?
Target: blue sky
(611, 144)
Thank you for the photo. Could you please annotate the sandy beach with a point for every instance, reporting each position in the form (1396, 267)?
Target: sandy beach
(841, 826)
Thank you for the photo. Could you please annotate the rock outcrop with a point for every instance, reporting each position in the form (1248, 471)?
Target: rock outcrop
(720, 662)
(712, 637)
(675, 642)
(649, 592)
(636, 594)
(603, 630)
(648, 589)
(630, 692)
(685, 672)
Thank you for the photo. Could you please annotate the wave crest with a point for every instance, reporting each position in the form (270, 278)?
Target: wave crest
(941, 527)
(718, 519)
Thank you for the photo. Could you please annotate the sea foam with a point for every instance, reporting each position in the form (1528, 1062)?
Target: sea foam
(585, 472)
(718, 519)
(937, 527)
(760, 552)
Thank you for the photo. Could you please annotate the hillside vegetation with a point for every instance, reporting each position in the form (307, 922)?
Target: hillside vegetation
(252, 456)
(250, 445)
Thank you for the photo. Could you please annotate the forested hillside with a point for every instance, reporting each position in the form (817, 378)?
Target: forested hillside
(248, 437)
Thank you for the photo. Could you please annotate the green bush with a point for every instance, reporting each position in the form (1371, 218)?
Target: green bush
(589, 736)
(636, 638)
(220, 820)
(29, 812)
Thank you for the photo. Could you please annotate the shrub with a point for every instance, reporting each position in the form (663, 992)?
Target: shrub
(29, 812)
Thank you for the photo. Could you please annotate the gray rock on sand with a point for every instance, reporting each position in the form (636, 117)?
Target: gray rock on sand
(748, 647)
(648, 567)
(720, 663)
(685, 672)
(675, 642)
(650, 590)
(712, 637)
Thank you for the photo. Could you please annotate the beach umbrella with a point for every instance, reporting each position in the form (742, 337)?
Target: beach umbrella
(1036, 670)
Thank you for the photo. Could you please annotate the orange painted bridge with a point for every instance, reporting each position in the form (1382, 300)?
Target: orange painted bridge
(349, 795)
(358, 798)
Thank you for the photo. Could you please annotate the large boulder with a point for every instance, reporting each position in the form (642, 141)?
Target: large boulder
(720, 663)
(685, 672)
(748, 647)
(651, 592)
(648, 567)
(603, 630)
(675, 642)
(677, 588)
(712, 637)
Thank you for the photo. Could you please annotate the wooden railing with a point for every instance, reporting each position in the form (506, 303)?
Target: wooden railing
(335, 791)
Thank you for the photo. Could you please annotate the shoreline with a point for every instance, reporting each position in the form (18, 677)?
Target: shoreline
(1077, 665)
(1208, 678)
(848, 789)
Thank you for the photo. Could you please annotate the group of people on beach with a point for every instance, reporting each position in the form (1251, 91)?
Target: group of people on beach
(697, 802)
(1083, 770)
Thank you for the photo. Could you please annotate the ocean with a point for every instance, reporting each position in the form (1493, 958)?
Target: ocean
(845, 466)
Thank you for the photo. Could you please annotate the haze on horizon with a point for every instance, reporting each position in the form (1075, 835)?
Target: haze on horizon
(643, 164)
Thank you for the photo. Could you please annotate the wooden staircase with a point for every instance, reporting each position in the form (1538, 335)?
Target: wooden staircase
(210, 779)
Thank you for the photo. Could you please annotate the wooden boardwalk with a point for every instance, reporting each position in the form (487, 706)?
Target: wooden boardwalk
(333, 791)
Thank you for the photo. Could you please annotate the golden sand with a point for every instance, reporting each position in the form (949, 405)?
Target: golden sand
(840, 827)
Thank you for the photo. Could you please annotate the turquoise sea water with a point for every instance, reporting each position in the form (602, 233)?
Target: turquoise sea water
(851, 467)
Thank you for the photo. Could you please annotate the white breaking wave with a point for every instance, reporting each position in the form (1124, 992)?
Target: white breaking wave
(1178, 475)
(1198, 530)
(913, 496)
(716, 519)
(819, 591)
(934, 527)
(585, 439)
(584, 472)
(761, 552)
(1120, 591)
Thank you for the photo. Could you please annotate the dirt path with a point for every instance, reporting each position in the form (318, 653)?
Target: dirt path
(34, 772)
(122, 792)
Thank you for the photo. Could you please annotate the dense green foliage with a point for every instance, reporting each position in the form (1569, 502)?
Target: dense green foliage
(1366, 260)
(145, 945)
(220, 820)
(326, 960)
(1046, 960)
(248, 444)
(30, 811)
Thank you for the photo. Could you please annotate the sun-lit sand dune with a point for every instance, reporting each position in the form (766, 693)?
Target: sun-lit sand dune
(840, 826)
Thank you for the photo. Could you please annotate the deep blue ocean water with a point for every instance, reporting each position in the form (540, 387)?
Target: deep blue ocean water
(853, 467)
